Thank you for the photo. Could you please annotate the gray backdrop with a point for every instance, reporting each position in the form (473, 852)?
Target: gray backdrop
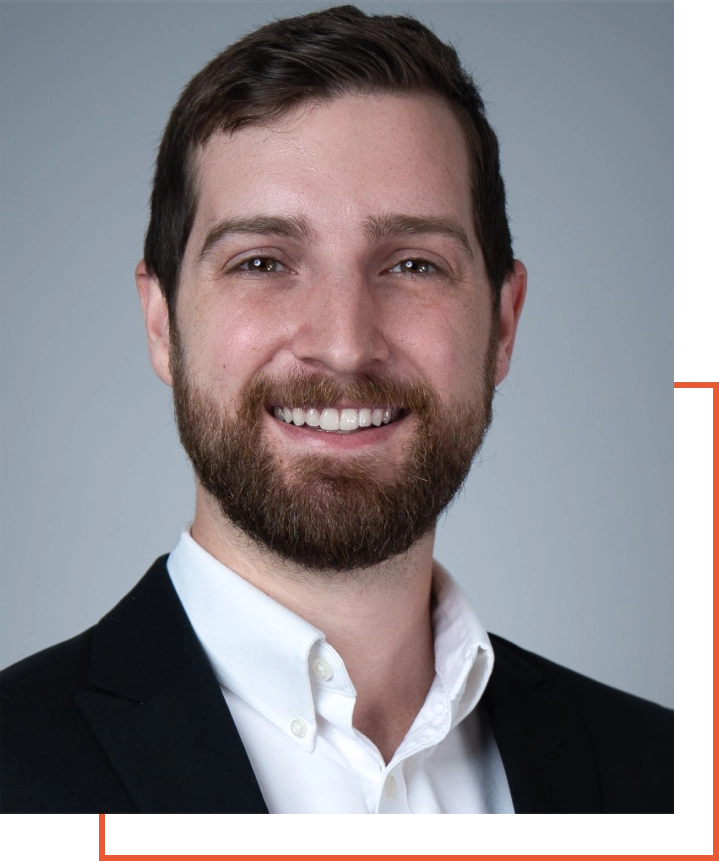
(563, 535)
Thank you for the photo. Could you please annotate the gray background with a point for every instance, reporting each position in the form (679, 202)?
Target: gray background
(563, 535)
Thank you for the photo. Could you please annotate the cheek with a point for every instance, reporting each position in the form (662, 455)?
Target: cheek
(446, 342)
(229, 345)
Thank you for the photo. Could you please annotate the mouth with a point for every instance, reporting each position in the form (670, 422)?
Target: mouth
(336, 420)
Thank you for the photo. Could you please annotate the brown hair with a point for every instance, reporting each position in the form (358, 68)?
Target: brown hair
(315, 58)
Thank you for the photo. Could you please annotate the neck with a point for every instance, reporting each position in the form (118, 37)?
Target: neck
(377, 619)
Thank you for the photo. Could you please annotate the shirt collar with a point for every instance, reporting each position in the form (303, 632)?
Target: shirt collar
(463, 654)
(238, 624)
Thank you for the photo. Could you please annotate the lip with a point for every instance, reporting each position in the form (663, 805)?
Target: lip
(328, 441)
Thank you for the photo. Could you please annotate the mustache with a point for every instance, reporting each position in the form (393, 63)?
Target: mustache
(321, 390)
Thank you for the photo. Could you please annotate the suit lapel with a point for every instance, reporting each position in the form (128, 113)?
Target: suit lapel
(542, 740)
(157, 710)
(155, 706)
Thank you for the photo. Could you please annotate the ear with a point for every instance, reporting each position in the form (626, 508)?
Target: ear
(514, 290)
(157, 321)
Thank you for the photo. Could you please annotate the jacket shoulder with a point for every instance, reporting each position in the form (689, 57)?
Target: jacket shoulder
(51, 760)
(632, 739)
(50, 764)
(48, 671)
(597, 694)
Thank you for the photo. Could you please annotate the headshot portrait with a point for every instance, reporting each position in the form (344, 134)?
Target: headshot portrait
(337, 441)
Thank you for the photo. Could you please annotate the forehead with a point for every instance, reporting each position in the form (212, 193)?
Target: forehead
(338, 162)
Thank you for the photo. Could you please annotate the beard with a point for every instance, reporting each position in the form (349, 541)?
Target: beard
(323, 512)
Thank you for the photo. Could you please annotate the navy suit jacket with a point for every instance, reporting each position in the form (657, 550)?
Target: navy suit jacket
(128, 717)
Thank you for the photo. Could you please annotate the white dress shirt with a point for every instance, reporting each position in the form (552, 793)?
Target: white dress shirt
(292, 700)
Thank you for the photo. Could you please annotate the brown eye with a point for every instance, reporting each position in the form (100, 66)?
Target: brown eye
(261, 264)
(414, 266)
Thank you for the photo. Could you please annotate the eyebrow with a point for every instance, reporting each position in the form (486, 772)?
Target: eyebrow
(376, 228)
(289, 227)
(379, 227)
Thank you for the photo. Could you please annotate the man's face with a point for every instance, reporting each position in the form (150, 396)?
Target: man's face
(332, 274)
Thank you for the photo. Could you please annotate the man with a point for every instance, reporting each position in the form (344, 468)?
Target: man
(329, 288)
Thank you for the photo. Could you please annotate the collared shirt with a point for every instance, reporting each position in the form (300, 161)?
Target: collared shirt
(292, 701)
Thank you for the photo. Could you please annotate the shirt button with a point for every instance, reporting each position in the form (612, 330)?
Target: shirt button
(298, 728)
(322, 669)
(390, 787)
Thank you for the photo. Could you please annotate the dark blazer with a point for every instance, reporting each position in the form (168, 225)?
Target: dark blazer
(128, 717)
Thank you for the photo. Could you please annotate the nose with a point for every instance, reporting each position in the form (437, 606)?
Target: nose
(339, 325)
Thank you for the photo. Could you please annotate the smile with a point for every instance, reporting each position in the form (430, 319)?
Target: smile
(331, 420)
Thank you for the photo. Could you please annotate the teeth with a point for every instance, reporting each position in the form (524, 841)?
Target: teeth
(348, 420)
(330, 419)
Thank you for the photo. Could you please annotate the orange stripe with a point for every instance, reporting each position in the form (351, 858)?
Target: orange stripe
(714, 387)
(715, 524)
(103, 856)
(694, 385)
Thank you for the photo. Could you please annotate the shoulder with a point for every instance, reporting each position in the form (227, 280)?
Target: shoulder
(49, 757)
(629, 740)
(600, 703)
(58, 668)
(38, 691)
(52, 761)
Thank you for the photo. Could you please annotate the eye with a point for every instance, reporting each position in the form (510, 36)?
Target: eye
(415, 266)
(260, 264)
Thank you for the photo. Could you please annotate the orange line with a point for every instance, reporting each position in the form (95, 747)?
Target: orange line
(101, 837)
(715, 600)
(103, 856)
(715, 498)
